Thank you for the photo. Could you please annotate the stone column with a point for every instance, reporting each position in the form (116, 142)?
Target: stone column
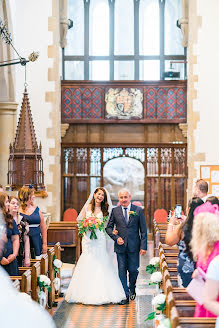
(8, 120)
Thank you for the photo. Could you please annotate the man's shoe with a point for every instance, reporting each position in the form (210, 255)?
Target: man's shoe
(132, 295)
(123, 302)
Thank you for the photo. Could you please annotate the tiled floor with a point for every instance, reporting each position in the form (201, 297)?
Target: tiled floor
(111, 316)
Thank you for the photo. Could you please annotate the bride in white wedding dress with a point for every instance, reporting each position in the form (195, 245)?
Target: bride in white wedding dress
(95, 280)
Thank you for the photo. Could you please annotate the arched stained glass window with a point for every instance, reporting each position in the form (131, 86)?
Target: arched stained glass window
(173, 34)
(149, 27)
(124, 27)
(99, 28)
(75, 36)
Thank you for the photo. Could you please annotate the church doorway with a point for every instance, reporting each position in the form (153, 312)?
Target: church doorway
(155, 174)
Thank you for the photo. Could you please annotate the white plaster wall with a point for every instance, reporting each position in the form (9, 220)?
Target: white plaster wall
(207, 69)
(30, 26)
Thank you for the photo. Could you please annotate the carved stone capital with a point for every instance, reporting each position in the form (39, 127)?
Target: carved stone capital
(64, 128)
(8, 107)
(184, 128)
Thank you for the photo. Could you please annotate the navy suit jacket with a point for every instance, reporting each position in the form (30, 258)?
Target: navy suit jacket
(134, 233)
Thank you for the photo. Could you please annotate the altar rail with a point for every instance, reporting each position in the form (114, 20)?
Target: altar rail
(124, 102)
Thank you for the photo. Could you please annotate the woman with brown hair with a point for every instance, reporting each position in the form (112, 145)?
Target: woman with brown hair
(34, 217)
(9, 260)
(23, 257)
(95, 280)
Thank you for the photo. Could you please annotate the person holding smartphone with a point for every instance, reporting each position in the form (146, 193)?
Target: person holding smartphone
(179, 232)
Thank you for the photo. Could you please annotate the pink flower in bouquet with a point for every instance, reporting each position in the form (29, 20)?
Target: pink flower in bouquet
(86, 222)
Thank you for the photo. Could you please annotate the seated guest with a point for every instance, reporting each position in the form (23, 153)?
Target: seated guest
(9, 260)
(37, 227)
(211, 295)
(205, 244)
(23, 227)
(179, 232)
(213, 200)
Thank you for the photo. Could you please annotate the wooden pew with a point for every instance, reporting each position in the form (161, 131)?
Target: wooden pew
(189, 322)
(51, 294)
(26, 282)
(57, 248)
(67, 234)
(179, 304)
(35, 272)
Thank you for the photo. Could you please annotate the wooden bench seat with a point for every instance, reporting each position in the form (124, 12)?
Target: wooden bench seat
(187, 322)
(185, 308)
(67, 235)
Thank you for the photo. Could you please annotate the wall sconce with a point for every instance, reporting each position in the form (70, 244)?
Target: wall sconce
(6, 37)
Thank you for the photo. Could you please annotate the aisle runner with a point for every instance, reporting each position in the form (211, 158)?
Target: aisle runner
(88, 316)
(110, 316)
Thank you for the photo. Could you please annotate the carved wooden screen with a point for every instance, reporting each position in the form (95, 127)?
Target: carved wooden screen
(158, 174)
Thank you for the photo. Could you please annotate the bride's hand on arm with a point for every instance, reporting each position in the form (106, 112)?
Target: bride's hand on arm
(115, 232)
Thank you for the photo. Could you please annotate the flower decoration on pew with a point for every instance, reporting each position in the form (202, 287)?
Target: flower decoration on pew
(57, 264)
(153, 265)
(91, 224)
(165, 323)
(159, 303)
(156, 279)
(43, 282)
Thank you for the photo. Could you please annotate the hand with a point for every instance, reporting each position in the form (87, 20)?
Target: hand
(11, 258)
(183, 218)
(27, 263)
(44, 249)
(173, 219)
(4, 261)
(120, 241)
(142, 251)
(115, 232)
(195, 274)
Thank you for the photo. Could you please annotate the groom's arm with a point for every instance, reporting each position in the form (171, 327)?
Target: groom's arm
(143, 231)
(110, 227)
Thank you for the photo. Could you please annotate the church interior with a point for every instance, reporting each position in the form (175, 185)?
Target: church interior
(113, 94)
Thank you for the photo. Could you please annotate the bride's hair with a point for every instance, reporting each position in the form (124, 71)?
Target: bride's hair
(104, 203)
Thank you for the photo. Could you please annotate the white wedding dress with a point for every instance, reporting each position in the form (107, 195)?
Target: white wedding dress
(95, 280)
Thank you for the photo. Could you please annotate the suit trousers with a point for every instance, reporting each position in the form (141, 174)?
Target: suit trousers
(128, 262)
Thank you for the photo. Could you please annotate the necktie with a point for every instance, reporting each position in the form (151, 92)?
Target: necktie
(126, 215)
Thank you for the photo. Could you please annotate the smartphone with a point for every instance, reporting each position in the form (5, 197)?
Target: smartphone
(178, 210)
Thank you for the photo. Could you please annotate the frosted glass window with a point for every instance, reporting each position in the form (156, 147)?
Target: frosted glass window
(74, 70)
(124, 27)
(75, 36)
(149, 27)
(173, 34)
(99, 28)
(126, 172)
(99, 70)
(149, 70)
(124, 70)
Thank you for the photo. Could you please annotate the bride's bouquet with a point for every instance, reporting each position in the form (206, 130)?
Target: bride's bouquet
(91, 224)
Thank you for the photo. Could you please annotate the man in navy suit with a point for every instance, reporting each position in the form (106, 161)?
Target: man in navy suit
(130, 239)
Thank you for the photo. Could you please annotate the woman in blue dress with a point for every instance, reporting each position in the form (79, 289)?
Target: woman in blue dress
(37, 227)
(180, 232)
(9, 259)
